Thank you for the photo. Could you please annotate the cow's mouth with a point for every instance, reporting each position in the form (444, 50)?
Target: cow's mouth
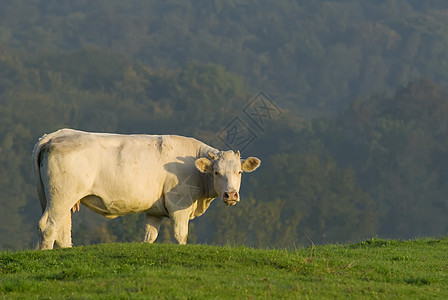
(230, 202)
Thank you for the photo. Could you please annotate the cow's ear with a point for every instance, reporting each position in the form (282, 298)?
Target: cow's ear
(250, 164)
(203, 165)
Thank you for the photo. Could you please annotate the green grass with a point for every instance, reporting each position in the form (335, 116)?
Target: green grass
(376, 268)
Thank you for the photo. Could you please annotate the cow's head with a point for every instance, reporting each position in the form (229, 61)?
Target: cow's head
(226, 168)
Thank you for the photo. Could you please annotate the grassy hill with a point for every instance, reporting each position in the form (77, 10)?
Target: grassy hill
(374, 268)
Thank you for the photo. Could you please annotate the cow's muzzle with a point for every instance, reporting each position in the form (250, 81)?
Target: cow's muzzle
(230, 198)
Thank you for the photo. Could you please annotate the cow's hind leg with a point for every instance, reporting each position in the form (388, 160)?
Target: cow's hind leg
(40, 232)
(47, 230)
(53, 226)
(64, 237)
(152, 226)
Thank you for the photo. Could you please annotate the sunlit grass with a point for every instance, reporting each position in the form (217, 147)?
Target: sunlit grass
(373, 268)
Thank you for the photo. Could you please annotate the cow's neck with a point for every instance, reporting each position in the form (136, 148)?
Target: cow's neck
(209, 188)
(206, 197)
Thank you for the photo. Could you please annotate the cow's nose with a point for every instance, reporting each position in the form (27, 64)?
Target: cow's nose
(233, 196)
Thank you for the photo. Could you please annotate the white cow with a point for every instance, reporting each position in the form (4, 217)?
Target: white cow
(113, 175)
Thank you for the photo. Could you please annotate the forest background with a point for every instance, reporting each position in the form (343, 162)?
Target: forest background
(357, 146)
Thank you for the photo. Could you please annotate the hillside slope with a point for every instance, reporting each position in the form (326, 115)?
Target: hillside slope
(373, 268)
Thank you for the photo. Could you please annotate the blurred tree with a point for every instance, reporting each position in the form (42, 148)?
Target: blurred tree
(187, 68)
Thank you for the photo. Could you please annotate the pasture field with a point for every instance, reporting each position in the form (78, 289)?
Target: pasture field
(376, 268)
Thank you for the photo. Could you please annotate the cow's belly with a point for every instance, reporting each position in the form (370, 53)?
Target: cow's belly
(112, 208)
(125, 186)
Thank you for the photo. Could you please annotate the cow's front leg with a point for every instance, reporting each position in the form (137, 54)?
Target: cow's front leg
(152, 226)
(179, 221)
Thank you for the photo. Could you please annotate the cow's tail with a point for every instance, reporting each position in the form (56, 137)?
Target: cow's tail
(37, 158)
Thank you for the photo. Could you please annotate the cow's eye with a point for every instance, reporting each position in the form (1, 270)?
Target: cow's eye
(240, 172)
(216, 173)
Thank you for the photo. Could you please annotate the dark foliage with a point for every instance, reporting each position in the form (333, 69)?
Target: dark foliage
(338, 165)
